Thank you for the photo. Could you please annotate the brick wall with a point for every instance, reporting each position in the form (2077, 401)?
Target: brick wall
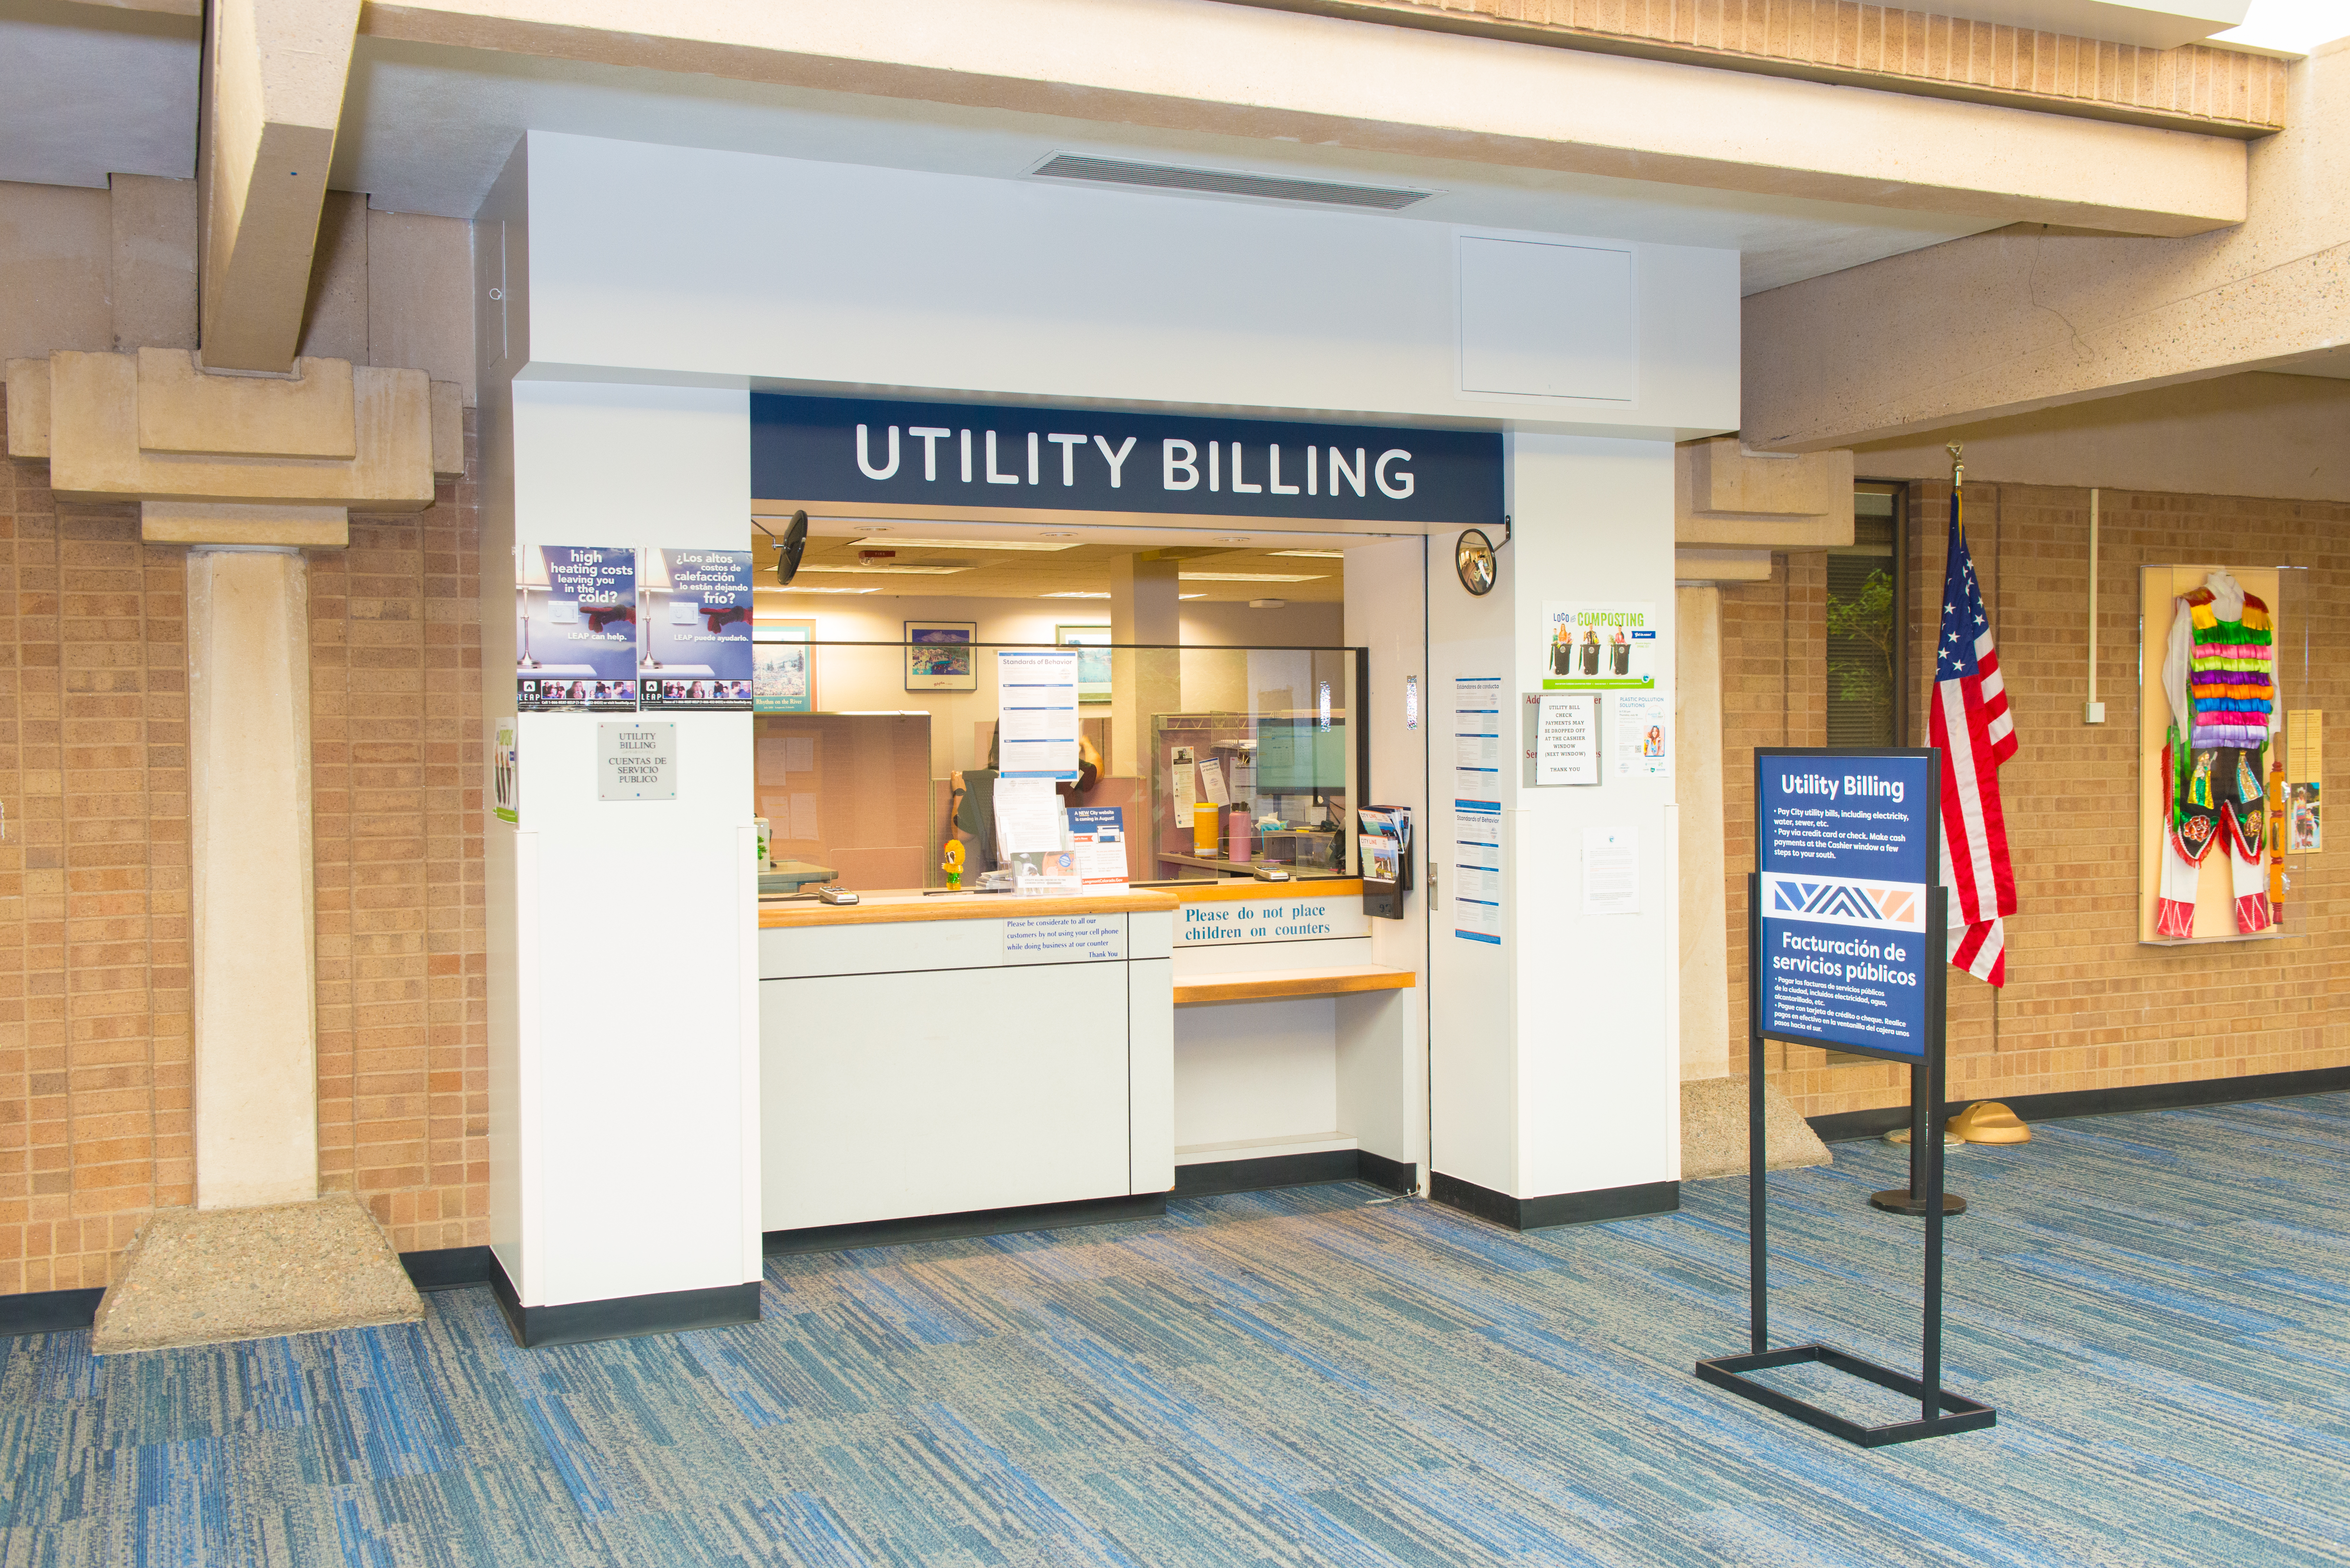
(1849, 41)
(2085, 1006)
(94, 884)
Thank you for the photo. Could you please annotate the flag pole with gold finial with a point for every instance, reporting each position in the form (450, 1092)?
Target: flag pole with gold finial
(1957, 450)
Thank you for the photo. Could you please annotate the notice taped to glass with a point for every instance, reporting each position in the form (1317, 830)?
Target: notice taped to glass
(1845, 843)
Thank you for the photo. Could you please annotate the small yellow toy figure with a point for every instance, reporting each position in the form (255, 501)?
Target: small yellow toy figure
(953, 865)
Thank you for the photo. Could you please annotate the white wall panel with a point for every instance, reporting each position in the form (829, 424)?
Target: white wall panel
(680, 264)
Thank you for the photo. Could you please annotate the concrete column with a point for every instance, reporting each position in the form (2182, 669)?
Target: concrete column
(256, 1073)
(1698, 788)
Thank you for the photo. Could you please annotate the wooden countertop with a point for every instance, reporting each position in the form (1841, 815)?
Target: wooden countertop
(1266, 985)
(1297, 887)
(909, 906)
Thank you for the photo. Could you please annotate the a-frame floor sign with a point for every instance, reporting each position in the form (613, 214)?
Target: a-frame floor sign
(1845, 950)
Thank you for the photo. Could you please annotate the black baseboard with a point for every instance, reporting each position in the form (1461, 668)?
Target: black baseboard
(1395, 1175)
(1214, 1176)
(1851, 1127)
(449, 1268)
(621, 1317)
(974, 1222)
(1555, 1208)
(49, 1312)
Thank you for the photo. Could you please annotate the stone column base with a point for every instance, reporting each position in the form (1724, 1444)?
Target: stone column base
(1714, 1131)
(211, 1275)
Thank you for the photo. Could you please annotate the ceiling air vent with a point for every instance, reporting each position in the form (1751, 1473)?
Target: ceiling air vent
(1227, 182)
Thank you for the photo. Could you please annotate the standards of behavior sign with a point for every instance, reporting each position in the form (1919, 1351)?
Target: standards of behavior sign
(1846, 847)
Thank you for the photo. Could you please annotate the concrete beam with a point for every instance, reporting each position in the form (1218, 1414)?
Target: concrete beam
(1733, 507)
(2283, 438)
(93, 434)
(1238, 70)
(273, 95)
(2003, 323)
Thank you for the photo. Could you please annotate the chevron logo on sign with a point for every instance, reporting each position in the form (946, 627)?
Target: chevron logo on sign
(1845, 902)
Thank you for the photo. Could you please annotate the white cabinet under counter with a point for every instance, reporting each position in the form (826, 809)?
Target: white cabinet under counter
(963, 1053)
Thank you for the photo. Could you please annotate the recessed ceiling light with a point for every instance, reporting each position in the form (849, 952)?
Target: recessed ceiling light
(1230, 538)
(893, 571)
(1317, 555)
(904, 542)
(1191, 596)
(1067, 593)
(811, 588)
(1267, 604)
(1250, 577)
(1057, 535)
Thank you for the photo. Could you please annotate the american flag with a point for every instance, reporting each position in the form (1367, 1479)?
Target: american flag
(1972, 731)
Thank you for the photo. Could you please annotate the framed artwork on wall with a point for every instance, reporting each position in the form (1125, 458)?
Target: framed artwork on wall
(940, 656)
(783, 667)
(1093, 666)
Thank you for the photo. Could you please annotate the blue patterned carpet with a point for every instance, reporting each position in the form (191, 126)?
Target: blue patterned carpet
(2159, 1305)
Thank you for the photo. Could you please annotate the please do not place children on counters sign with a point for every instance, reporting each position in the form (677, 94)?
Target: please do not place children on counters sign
(1844, 851)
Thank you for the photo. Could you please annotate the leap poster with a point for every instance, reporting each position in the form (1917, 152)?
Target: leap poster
(576, 637)
(694, 636)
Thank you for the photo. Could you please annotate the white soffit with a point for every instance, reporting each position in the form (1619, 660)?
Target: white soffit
(426, 128)
(2149, 24)
(90, 91)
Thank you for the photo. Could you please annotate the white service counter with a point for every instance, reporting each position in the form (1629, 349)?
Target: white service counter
(960, 1053)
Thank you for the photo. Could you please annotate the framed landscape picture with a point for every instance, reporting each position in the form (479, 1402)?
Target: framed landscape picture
(1093, 666)
(783, 667)
(940, 656)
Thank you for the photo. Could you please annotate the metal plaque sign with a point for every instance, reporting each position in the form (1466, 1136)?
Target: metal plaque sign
(636, 762)
(1845, 847)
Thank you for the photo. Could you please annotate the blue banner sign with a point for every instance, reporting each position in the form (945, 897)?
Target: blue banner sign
(811, 451)
(1845, 843)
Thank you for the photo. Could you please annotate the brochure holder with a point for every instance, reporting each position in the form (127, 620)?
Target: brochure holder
(1384, 851)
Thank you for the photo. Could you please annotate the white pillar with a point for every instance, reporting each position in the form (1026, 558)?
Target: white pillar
(1704, 908)
(256, 1069)
(1553, 1061)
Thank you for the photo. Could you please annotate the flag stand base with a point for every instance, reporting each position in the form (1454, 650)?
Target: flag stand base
(1900, 1200)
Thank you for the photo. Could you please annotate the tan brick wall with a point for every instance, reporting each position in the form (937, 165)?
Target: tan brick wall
(94, 884)
(2085, 1006)
(1842, 40)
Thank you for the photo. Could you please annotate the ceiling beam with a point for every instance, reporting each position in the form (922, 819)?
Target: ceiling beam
(1272, 76)
(2029, 318)
(274, 72)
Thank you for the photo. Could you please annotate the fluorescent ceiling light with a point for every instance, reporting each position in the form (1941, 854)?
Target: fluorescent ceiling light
(1191, 596)
(893, 571)
(1250, 577)
(1067, 593)
(805, 589)
(1317, 555)
(886, 542)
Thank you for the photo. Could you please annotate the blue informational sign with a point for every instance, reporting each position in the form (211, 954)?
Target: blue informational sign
(814, 451)
(1846, 845)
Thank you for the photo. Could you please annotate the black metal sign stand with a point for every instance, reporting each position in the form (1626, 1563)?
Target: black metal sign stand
(1939, 1411)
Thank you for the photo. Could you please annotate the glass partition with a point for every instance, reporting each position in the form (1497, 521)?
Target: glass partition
(870, 757)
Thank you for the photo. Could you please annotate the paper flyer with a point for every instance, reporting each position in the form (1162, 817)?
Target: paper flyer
(1477, 739)
(1602, 645)
(1477, 875)
(1611, 871)
(1641, 733)
(575, 629)
(693, 638)
(1098, 838)
(1036, 713)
